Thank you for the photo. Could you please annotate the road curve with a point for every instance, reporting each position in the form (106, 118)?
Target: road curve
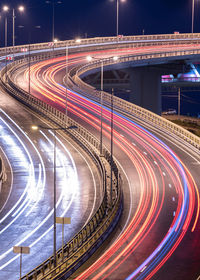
(161, 188)
(26, 213)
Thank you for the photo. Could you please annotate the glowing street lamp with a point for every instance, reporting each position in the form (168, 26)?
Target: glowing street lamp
(6, 9)
(20, 9)
(78, 40)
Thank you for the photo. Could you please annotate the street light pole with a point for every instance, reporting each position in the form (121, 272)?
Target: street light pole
(67, 54)
(192, 16)
(117, 18)
(53, 3)
(29, 69)
(179, 101)
(53, 21)
(13, 16)
(5, 9)
(63, 221)
(101, 132)
(90, 58)
(111, 149)
(54, 200)
(21, 9)
(6, 42)
(34, 127)
(21, 250)
(6, 32)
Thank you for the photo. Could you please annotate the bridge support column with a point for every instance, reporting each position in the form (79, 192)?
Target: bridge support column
(145, 85)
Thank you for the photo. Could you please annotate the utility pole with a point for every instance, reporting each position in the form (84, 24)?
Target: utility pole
(179, 101)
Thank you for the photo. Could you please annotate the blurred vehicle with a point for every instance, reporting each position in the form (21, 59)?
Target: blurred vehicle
(169, 112)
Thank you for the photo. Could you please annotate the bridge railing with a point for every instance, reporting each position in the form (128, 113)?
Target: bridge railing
(101, 224)
(153, 39)
(136, 59)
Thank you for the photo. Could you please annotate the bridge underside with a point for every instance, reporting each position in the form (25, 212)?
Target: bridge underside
(139, 85)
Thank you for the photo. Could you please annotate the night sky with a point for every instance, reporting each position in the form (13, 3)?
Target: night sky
(91, 18)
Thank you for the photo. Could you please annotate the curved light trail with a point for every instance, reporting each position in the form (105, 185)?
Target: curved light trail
(30, 190)
(159, 172)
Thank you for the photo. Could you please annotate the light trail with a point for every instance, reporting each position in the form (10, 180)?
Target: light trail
(161, 162)
(72, 176)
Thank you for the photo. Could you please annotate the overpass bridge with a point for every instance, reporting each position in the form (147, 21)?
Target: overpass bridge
(154, 155)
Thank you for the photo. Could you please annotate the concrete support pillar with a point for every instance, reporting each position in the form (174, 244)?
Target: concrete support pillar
(145, 85)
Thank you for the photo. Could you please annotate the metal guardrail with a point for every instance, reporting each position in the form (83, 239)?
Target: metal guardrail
(137, 59)
(192, 38)
(100, 225)
(181, 80)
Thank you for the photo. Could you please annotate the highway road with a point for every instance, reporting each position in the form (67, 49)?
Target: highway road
(26, 200)
(158, 235)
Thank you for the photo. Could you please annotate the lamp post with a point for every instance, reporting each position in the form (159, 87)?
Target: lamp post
(111, 148)
(6, 9)
(90, 58)
(63, 221)
(53, 2)
(21, 9)
(179, 101)
(117, 24)
(21, 250)
(66, 95)
(192, 16)
(54, 129)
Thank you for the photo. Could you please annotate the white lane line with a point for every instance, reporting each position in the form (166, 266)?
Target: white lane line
(72, 177)
(31, 163)
(32, 189)
(11, 183)
(143, 268)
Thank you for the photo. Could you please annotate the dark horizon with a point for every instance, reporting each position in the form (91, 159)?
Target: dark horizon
(91, 18)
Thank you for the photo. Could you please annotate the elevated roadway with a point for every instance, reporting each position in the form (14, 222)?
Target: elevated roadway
(160, 226)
